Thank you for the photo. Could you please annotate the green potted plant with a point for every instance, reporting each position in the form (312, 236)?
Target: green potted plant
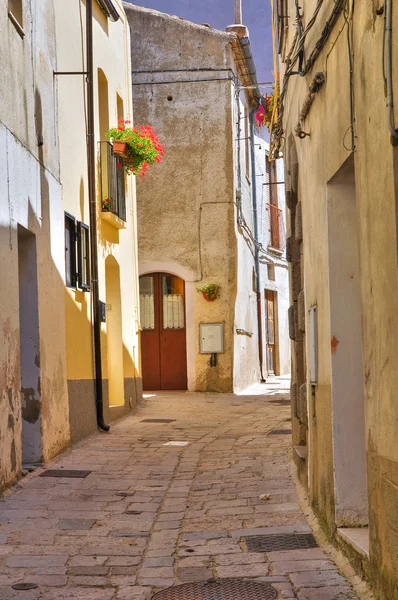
(138, 147)
(210, 291)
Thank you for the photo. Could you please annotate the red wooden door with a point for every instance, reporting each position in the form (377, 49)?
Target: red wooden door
(163, 342)
(271, 333)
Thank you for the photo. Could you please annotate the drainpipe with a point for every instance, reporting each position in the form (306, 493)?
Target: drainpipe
(93, 218)
(388, 53)
(256, 254)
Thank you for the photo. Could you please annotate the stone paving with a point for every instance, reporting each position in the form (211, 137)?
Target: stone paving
(153, 514)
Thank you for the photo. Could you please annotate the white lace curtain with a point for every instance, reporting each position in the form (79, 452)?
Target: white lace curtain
(173, 311)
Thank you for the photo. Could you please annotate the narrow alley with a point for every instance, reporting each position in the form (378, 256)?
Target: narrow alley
(179, 492)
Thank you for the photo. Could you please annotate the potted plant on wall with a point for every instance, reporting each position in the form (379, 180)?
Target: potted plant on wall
(210, 291)
(138, 147)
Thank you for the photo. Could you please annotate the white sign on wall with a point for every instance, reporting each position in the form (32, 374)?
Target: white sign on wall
(211, 337)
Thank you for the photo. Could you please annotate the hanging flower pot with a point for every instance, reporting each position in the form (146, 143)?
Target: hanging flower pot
(138, 146)
(120, 148)
(206, 297)
(210, 291)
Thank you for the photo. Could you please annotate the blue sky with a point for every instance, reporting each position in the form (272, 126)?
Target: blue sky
(219, 14)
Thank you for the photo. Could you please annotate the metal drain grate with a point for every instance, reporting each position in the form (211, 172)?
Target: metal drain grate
(276, 542)
(219, 589)
(280, 432)
(65, 473)
(24, 586)
(158, 420)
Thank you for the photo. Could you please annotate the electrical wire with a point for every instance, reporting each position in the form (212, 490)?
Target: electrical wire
(348, 15)
(277, 134)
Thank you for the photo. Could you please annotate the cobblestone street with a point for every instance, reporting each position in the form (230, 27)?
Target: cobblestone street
(166, 503)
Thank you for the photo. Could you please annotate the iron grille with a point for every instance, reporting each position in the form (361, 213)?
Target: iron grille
(219, 589)
(65, 473)
(280, 432)
(277, 542)
(113, 192)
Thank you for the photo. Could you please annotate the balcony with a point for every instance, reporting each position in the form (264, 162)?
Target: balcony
(113, 192)
(277, 235)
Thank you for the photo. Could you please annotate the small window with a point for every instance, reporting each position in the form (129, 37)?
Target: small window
(271, 272)
(70, 251)
(83, 256)
(15, 13)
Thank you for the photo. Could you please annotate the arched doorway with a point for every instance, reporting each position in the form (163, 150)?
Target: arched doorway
(163, 322)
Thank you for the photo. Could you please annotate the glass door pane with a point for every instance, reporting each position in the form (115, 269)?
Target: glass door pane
(173, 302)
(147, 302)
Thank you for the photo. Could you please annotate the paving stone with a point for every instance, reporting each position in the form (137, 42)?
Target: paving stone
(156, 572)
(35, 561)
(88, 581)
(327, 593)
(165, 561)
(294, 566)
(123, 561)
(185, 574)
(76, 523)
(248, 558)
(96, 570)
(256, 570)
(157, 582)
(204, 535)
(134, 593)
(317, 579)
(287, 555)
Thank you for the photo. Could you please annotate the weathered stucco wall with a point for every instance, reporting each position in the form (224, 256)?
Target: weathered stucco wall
(320, 156)
(31, 226)
(186, 210)
(117, 249)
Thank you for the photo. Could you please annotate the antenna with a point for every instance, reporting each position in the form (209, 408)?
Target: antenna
(238, 12)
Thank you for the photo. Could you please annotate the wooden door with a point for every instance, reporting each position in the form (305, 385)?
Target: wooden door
(163, 342)
(271, 309)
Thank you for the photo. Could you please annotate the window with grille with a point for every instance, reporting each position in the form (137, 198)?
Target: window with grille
(70, 251)
(83, 256)
(77, 262)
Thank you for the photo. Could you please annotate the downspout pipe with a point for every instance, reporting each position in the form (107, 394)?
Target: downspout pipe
(388, 52)
(92, 197)
(256, 253)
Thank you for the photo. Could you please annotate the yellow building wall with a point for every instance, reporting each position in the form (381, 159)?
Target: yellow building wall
(112, 78)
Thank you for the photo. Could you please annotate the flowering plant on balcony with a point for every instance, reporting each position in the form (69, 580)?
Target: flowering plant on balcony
(105, 204)
(266, 108)
(138, 146)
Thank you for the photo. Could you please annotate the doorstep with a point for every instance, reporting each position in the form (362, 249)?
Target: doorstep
(357, 537)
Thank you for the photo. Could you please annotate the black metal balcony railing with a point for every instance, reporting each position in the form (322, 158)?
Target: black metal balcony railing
(113, 192)
(277, 235)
